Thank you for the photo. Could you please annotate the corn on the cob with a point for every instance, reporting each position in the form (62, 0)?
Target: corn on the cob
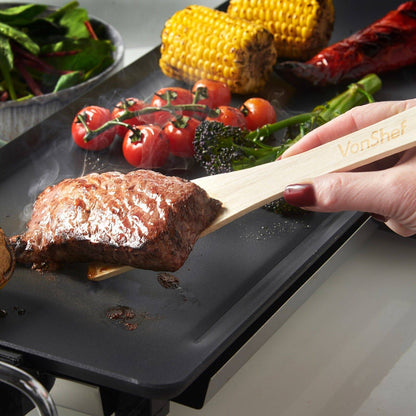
(199, 42)
(301, 28)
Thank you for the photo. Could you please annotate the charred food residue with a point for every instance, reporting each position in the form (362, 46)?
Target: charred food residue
(168, 280)
(123, 315)
(127, 317)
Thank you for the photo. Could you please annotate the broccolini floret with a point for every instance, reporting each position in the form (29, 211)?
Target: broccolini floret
(220, 148)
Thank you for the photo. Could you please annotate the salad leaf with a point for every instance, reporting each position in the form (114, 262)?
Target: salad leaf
(19, 37)
(77, 55)
(6, 53)
(6, 64)
(21, 15)
(73, 21)
(68, 80)
(57, 14)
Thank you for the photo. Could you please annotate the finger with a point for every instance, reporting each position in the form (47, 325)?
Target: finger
(356, 192)
(345, 191)
(355, 119)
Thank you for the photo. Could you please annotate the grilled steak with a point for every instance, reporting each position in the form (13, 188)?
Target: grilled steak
(142, 219)
(7, 260)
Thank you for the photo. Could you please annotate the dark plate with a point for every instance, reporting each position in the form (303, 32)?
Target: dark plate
(233, 276)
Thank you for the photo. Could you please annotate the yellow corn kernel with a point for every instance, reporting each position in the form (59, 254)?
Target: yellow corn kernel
(200, 42)
(301, 28)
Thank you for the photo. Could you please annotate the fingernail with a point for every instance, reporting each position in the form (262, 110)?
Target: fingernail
(300, 195)
(379, 217)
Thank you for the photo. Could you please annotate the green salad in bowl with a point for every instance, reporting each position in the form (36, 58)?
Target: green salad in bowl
(48, 57)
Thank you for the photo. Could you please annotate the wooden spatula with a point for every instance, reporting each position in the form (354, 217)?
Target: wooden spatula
(246, 190)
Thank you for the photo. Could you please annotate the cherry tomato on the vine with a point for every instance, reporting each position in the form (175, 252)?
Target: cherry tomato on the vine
(146, 146)
(177, 96)
(131, 104)
(93, 117)
(217, 93)
(258, 112)
(229, 116)
(180, 134)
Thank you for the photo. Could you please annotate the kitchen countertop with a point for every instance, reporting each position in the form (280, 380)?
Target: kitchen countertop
(348, 350)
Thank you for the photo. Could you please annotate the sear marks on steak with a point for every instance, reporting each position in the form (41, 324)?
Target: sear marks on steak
(141, 219)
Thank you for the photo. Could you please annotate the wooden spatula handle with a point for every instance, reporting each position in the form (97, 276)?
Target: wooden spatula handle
(245, 190)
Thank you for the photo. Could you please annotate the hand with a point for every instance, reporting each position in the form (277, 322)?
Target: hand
(386, 189)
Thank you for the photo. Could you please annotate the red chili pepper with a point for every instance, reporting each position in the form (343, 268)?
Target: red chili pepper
(385, 45)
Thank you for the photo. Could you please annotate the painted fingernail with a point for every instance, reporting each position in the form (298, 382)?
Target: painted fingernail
(379, 217)
(300, 195)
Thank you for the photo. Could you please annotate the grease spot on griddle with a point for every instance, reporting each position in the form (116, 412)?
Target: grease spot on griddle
(123, 315)
(127, 317)
(170, 281)
(120, 312)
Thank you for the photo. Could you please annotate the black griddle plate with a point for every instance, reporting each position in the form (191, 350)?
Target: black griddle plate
(59, 322)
